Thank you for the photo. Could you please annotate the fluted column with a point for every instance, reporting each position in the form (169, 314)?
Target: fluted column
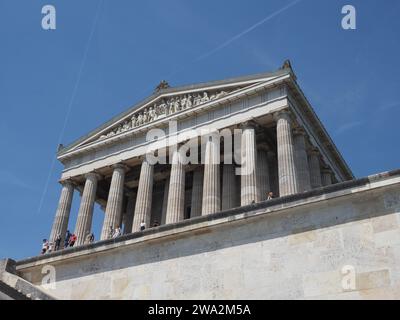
(211, 182)
(302, 167)
(114, 201)
(197, 192)
(273, 173)
(315, 168)
(85, 214)
(60, 223)
(176, 193)
(326, 176)
(228, 187)
(249, 192)
(286, 154)
(263, 181)
(165, 202)
(144, 196)
(130, 210)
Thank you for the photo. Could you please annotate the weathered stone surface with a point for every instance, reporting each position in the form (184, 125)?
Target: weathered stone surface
(248, 186)
(295, 248)
(212, 181)
(144, 196)
(286, 154)
(315, 168)
(176, 192)
(114, 203)
(60, 224)
(197, 191)
(85, 214)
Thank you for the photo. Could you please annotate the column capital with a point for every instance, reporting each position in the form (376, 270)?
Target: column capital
(67, 182)
(249, 124)
(93, 176)
(283, 114)
(120, 166)
(313, 151)
(326, 169)
(299, 131)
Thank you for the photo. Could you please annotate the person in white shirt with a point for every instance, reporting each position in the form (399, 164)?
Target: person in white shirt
(142, 225)
(117, 232)
(45, 246)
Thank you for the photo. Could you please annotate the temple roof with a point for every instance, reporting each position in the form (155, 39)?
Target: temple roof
(168, 91)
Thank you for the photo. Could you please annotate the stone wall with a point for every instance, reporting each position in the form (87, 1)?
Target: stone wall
(297, 247)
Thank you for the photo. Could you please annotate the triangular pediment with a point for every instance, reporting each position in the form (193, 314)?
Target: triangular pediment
(166, 103)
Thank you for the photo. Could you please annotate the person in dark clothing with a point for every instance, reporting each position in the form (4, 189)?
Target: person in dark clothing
(67, 237)
(57, 243)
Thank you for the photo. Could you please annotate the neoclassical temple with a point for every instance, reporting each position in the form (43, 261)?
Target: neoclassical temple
(281, 138)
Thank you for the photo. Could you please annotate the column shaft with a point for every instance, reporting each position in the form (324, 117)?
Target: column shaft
(114, 202)
(286, 155)
(315, 169)
(197, 192)
(326, 176)
(249, 191)
(228, 187)
(85, 214)
(211, 182)
(263, 181)
(176, 193)
(302, 166)
(60, 223)
(129, 214)
(144, 196)
(165, 202)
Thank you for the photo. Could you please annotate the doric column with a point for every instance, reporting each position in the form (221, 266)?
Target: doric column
(144, 196)
(326, 176)
(176, 193)
(228, 187)
(286, 158)
(249, 192)
(165, 202)
(302, 167)
(263, 181)
(60, 223)
(114, 201)
(85, 214)
(130, 210)
(211, 182)
(273, 173)
(197, 191)
(315, 168)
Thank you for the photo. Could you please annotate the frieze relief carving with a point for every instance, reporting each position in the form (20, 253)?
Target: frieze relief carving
(162, 109)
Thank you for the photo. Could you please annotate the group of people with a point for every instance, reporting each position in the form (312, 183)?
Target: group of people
(69, 241)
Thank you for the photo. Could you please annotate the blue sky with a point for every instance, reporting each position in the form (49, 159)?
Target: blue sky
(106, 55)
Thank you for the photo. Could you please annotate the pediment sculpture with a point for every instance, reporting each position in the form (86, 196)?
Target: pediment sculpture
(164, 108)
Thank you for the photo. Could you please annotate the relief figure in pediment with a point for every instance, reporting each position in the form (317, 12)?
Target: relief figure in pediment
(133, 121)
(183, 102)
(139, 121)
(205, 98)
(145, 116)
(177, 106)
(189, 101)
(162, 108)
(197, 99)
(152, 113)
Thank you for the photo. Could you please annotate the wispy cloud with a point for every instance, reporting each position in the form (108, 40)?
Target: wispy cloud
(244, 32)
(10, 179)
(388, 106)
(348, 126)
